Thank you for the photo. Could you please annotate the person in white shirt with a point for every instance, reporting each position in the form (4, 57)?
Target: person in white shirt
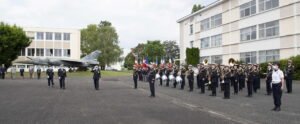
(277, 86)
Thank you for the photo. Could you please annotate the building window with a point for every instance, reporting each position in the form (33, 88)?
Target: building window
(39, 52)
(57, 36)
(49, 35)
(192, 44)
(67, 36)
(248, 33)
(217, 59)
(49, 52)
(248, 9)
(205, 24)
(191, 29)
(40, 35)
(248, 57)
(216, 40)
(268, 55)
(205, 43)
(30, 51)
(57, 52)
(202, 58)
(267, 4)
(216, 20)
(23, 51)
(269, 29)
(67, 52)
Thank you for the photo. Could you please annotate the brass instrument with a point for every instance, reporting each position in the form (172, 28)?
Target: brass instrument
(231, 62)
(205, 62)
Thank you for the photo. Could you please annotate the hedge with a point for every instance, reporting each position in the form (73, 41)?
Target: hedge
(283, 63)
(192, 56)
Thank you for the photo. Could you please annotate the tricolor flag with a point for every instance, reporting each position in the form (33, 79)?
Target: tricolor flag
(170, 62)
(162, 62)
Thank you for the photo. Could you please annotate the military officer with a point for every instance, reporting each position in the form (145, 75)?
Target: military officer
(3, 71)
(135, 77)
(168, 72)
(249, 80)
(22, 72)
(234, 79)
(38, 72)
(182, 74)
(96, 76)
(226, 81)
(175, 75)
(241, 77)
(62, 74)
(277, 86)
(213, 79)
(202, 78)
(190, 77)
(152, 81)
(289, 70)
(50, 75)
(269, 79)
(256, 78)
(161, 73)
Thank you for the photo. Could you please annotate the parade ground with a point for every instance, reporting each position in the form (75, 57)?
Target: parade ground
(31, 101)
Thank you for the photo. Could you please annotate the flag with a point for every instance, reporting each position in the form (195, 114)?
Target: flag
(170, 62)
(162, 62)
(145, 62)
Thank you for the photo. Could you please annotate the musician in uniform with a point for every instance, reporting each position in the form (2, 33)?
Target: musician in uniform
(220, 77)
(202, 77)
(226, 81)
(249, 80)
(289, 70)
(135, 77)
(152, 81)
(269, 79)
(190, 77)
(241, 77)
(176, 70)
(161, 72)
(213, 79)
(62, 74)
(140, 73)
(256, 78)
(234, 79)
(182, 74)
(168, 72)
(198, 77)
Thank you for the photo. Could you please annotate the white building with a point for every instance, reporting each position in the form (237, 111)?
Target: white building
(50, 43)
(252, 31)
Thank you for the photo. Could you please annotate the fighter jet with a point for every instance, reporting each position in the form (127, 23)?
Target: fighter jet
(87, 61)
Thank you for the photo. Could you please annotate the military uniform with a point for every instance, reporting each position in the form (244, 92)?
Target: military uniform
(202, 78)
(62, 73)
(135, 77)
(96, 77)
(250, 79)
(3, 72)
(226, 81)
(39, 71)
(190, 77)
(183, 73)
(161, 73)
(175, 75)
(234, 80)
(213, 77)
(22, 72)
(256, 80)
(50, 75)
(269, 81)
(241, 78)
(152, 82)
(289, 70)
(168, 72)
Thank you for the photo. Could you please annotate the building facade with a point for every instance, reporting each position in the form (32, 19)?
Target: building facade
(50, 43)
(252, 31)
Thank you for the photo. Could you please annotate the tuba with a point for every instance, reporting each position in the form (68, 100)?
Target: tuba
(231, 62)
(205, 62)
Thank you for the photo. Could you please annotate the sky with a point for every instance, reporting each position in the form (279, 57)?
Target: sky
(136, 21)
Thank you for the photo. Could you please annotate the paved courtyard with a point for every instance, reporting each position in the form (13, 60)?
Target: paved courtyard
(28, 101)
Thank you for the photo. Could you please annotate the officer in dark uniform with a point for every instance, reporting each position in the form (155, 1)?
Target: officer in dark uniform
(249, 80)
(168, 72)
(96, 77)
(62, 74)
(161, 73)
(39, 71)
(182, 74)
(176, 70)
(213, 79)
(198, 77)
(50, 75)
(269, 79)
(135, 77)
(226, 80)
(221, 79)
(22, 72)
(140, 73)
(202, 77)
(152, 81)
(190, 77)
(241, 77)
(234, 79)
(289, 70)
(3, 71)
(256, 78)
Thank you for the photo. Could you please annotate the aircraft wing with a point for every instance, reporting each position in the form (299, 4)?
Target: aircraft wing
(71, 61)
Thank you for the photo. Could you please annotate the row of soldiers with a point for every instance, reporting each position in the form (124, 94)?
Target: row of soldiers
(213, 76)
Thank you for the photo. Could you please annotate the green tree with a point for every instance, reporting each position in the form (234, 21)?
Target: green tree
(192, 56)
(12, 40)
(101, 37)
(196, 8)
(129, 61)
(171, 49)
(153, 49)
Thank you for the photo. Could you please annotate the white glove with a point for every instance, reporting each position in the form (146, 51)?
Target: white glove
(223, 82)
(59, 78)
(48, 77)
(209, 82)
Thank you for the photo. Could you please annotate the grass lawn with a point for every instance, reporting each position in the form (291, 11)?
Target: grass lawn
(79, 74)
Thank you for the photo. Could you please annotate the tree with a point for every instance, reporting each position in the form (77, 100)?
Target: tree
(192, 56)
(153, 49)
(129, 61)
(12, 40)
(101, 37)
(197, 7)
(171, 49)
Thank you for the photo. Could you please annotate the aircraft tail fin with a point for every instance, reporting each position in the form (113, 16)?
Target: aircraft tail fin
(92, 56)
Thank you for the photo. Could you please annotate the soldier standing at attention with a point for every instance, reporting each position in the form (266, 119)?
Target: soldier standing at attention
(38, 72)
(249, 79)
(22, 72)
(190, 77)
(96, 77)
(135, 77)
(62, 74)
(140, 73)
(175, 75)
(226, 81)
(241, 77)
(269, 79)
(50, 75)
(289, 70)
(234, 79)
(169, 70)
(203, 76)
(182, 74)
(3, 71)
(213, 79)
(152, 81)
(277, 86)
(256, 78)
(160, 72)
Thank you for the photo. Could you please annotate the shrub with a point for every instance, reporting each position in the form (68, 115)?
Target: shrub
(192, 56)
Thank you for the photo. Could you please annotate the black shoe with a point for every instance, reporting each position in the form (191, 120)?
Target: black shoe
(278, 109)
(274, 109)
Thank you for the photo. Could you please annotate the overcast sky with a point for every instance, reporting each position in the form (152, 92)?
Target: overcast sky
(136, 21)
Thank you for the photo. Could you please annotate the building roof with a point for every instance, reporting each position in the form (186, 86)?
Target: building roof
(201, 10)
